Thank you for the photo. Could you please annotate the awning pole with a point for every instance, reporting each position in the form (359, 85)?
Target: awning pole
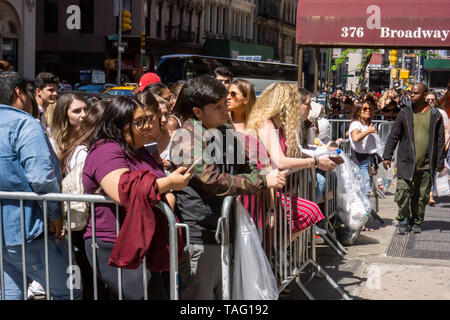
(316, 72)
(300, 67)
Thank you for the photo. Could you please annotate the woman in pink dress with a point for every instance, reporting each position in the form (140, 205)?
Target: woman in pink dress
(275, 120)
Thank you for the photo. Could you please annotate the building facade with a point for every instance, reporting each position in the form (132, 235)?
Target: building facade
(69, 40)
(275, 27)
(17, 35)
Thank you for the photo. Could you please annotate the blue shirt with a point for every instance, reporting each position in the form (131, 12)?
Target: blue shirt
(27, 164)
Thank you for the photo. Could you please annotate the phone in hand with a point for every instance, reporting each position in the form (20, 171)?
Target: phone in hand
(152, 148)
(193, 165)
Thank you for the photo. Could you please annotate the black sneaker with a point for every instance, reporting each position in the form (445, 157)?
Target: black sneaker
(403, 227)
(416, 228)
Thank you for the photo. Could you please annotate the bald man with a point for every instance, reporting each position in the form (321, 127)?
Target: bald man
(419, 134)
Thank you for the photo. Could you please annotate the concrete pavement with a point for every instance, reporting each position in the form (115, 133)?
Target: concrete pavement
(368, 273)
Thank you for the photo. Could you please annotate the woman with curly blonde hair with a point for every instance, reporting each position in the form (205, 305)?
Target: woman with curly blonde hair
(276, 120)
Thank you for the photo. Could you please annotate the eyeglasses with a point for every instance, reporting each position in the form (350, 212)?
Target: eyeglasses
(140, 122)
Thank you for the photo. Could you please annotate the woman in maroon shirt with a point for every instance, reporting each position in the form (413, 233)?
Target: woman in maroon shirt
(117, 146)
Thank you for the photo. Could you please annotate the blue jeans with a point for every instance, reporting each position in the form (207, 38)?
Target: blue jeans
(320, 187)
(364, 168)
(59, 272)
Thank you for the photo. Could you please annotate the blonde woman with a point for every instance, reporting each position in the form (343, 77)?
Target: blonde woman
(276, 120)
(241, 99)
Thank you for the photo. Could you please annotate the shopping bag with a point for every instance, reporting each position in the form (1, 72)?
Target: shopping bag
(441, 183)
(354, 205)
(253, 278)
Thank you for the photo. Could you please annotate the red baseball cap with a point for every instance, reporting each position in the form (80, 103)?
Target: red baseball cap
(147, 79)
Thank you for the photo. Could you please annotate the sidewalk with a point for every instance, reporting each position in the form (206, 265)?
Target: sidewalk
(367, 272)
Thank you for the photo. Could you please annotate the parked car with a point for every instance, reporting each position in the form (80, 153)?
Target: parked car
(93, 87)
(87, 94)
(120, 91)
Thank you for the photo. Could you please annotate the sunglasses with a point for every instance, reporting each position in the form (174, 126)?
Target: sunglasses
(430, 100)
(366, 109)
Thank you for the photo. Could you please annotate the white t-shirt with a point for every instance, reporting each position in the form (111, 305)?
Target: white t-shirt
(367, 145)
(444, 116)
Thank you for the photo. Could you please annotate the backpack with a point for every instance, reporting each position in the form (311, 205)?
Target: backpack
(79, 211)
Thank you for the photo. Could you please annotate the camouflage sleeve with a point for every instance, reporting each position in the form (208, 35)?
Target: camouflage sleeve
(224, 184)
(186, 149)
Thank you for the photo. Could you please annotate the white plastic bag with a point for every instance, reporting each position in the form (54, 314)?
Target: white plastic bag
(441, 182)
(253, 277)
(379, 143)
(354, 204)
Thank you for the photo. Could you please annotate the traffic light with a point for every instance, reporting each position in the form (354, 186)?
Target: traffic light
(393, 57)
(143, 40)
(404, 74)
(395, 73)
(126, 20)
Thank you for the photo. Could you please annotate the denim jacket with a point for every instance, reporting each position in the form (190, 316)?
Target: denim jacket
(27, 164)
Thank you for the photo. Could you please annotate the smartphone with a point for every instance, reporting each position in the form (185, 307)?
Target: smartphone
(192, 166)
(337, 159)
(152, 148)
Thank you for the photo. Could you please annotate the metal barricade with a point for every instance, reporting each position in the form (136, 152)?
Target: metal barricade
(330, 212)
(23, 197)
(339, 127)
(289, 254)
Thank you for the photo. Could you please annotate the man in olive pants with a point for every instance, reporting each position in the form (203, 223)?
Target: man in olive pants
(419, 133)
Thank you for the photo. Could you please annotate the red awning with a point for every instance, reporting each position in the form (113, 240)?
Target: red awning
(374, 23)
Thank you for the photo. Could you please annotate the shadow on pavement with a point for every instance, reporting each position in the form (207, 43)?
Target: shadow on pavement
(435, 225)
(339, 270)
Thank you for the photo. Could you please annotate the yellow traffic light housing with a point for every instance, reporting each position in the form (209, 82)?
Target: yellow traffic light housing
(395, 73)
(404, 74)
(393, 57)
(126, 20)
(143, 40)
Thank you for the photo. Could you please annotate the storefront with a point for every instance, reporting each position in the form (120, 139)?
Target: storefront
(18, 35)
(9, 34)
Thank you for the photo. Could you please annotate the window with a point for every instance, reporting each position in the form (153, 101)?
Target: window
(169, 23)
(199, 19)
(224, 21)
(87, 16)
(211, 18)
(51, 16)
(218, 20)
(158, 19)
(147, 14)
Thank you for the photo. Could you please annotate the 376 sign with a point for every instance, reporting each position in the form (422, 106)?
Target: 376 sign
(352, 32)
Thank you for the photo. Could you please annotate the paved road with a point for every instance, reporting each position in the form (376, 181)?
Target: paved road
(367, 272)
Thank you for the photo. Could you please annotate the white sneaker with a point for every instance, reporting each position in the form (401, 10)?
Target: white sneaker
(35, 289)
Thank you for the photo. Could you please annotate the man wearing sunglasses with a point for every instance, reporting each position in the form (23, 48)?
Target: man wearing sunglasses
(419, 133)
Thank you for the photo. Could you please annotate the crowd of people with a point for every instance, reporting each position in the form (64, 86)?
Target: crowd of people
(387, 103)
(161, 144)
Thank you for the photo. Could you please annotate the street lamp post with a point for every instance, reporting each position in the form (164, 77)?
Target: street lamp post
(119, 46)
